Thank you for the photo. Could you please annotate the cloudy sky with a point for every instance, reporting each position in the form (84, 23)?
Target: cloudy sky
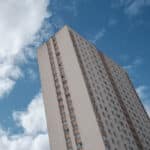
(120, 28)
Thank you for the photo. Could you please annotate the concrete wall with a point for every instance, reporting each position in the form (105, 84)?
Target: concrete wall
(55, 130)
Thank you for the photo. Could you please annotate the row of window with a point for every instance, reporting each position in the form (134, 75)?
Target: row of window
(103, 95)
(98, 117)
(132, 104)
(124, 109)
(68, 97)
(60, 100)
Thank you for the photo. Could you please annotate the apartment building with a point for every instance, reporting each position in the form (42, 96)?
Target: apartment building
(90, 102)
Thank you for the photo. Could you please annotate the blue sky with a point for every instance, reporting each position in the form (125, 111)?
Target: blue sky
(119, 28)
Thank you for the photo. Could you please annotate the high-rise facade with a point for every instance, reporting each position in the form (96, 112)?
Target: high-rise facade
(89, 100)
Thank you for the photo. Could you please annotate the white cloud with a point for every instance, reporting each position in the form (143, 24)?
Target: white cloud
(41, 143)
(120, 3)
(131, 7)
(98, 36)
(31, 74)
(143, 92)
(24, 142)
(72, 7)
(27, 119)
(34, 136)
(147, 107)
(6, 86)
(136, 7)
(138, 61)
(19, 23)
(8, 74)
